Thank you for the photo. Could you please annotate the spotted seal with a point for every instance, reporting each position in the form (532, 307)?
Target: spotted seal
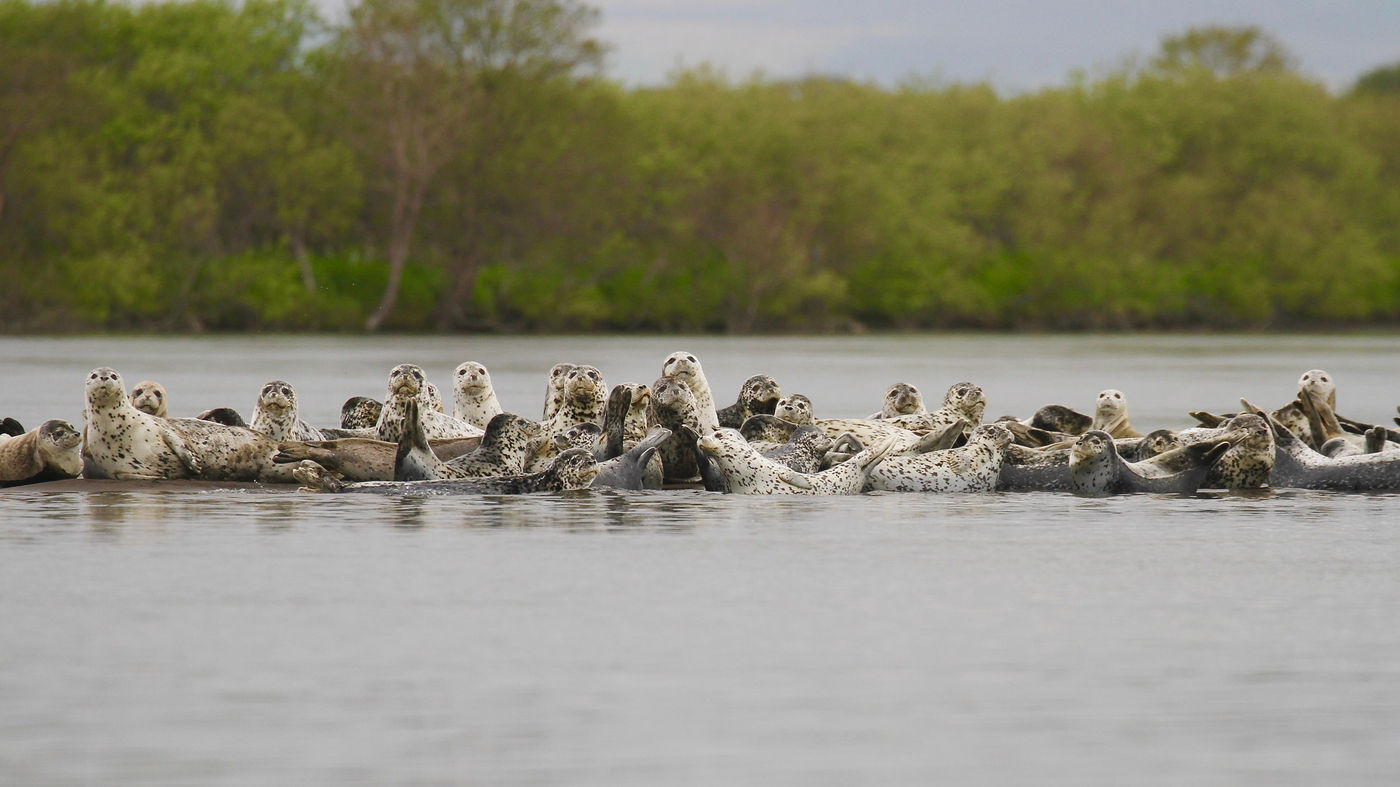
(473, 396)
(795, 408)
(974, 467)
(149, 397)
(963, 401)
(571, 470)
(407, 383)
(51, 452)
(125, 443)
(1095, 468)
(360, 412)
(901, 399)
(1034, 469)
(1059, 418)
(1248, 461)
(1297, 466)
(758, 395)
(673, 406)
(685, 367)
(434, 398)
(1111, 415)
(802, 447)
(746, 471)
(503, 450)
(554, 389)
(275, 414)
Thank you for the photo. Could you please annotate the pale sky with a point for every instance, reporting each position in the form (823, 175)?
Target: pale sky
(1013, 44)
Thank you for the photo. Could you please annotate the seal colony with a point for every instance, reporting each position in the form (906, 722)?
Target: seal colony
(670, 434)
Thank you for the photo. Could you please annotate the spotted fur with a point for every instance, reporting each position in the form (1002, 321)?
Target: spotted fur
(408, 383)
(759, 395)
(275, 414)
(901, 399)
(974, 467)
(473, 397)
(571, 470)
(746, 471)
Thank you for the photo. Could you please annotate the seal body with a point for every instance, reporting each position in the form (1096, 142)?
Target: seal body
(629, 470)
(795, 408)
(1297, 466)
(571, 470)
(1095, 468)
(473, 396)
(125, 443)
(974, 467)
(360, 412)
(276, 414)
(964, 401)
(554, 389)
(746, 471)
(149, 396)
(685, 367)
(51, 452)
(1248, 462)
(673, 406)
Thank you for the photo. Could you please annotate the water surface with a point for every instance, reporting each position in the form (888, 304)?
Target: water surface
(269, 636)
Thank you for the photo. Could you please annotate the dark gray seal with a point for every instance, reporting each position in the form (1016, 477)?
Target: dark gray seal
(629, 470)
(1297, 466)
(673, 406)
(1059, 418)
(1095, 468)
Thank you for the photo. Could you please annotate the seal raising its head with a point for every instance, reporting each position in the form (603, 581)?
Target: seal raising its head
(149, 396)
(276, 414)
(554, 389)
(902, 399)
(407, 382)
(473, 397)
(49, 453)
(794, 408)
(685, 367)
(1111, 415)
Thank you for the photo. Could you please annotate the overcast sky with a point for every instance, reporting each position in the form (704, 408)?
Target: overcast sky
(1013, 44)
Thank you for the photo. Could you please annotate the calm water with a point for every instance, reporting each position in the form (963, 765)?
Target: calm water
(269, 636)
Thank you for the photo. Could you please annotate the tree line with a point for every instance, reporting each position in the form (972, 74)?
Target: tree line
(465, 165)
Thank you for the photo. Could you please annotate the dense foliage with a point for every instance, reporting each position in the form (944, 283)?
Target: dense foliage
(460, 164)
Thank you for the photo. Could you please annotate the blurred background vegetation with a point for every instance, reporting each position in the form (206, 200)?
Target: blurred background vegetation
(463, 165)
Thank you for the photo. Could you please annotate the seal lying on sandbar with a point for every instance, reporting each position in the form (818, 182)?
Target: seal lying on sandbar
(49, 453)
(974, 467)
(746, 471)
(1095, 468)
(573, 469)
(503, 450)
(1296, 466)
(127, 444)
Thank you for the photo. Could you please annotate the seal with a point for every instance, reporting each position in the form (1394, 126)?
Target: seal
(583, 400)
(964, 401)
(434, 397)
(51, 452)
(1034, 469)
(571, 470)
(748, 472)
(127, 444)
(1058, 418)
(759, 395)
(149, 396)
(364, 458)
(974, 467)
(801, 447)
(360, 412)
(673, 406)
(629, 470)
(1250, 458)
(223, 415)
(408, 383)
(584, 435)
(901, 399)
(1297, 466)
(554, 389)
(473, 397)
(1095, 468)
(275, 414)
(795, 408)
(684, 366)
(503, 450)
(1111, 415)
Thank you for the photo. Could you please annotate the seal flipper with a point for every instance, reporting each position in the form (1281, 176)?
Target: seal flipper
(940, 439)
(176, 444)
(615, 421)
(415, 460)
(11, 427)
